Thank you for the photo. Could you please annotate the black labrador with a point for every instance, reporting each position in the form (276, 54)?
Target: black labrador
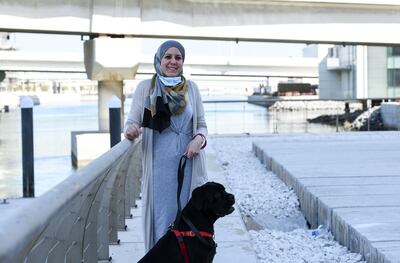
(208, 203)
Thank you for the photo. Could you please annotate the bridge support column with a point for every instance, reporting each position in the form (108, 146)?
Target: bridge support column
(107, 89)
(110, 61)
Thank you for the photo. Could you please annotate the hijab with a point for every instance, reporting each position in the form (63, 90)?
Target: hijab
(168, 95)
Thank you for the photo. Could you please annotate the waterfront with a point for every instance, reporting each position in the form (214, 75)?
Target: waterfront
(53, 124)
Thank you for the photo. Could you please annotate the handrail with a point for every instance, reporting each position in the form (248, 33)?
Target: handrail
(76, 220)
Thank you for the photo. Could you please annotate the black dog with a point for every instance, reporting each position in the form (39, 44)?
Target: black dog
(208, 203)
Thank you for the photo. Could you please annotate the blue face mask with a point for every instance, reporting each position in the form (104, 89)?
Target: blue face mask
(170, 81)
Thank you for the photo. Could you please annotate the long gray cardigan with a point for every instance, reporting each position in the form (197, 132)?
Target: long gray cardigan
(199, 175)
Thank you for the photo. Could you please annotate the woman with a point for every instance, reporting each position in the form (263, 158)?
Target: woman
(169, 112)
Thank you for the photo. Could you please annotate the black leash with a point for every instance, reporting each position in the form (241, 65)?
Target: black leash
(181, 174)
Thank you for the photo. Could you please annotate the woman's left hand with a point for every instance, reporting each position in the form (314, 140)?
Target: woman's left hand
(194, 147)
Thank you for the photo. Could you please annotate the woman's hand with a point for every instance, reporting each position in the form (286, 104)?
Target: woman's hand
(194, 147)
(132, 132)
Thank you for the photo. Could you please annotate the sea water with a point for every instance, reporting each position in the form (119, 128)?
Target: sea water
(53, 124)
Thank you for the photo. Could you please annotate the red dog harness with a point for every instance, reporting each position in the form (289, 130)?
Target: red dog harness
(180, 234)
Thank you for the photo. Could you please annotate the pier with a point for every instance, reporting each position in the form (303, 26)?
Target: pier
(347, 181)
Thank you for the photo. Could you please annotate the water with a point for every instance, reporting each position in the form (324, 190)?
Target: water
(226, 118)
(52, 139)
(53, 125)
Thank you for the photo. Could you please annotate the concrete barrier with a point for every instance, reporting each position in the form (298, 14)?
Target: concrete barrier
(76, 220)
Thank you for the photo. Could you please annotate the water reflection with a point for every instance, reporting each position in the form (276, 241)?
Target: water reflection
(226, 118)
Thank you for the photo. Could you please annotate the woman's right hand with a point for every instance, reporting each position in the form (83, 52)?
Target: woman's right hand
(132, 132)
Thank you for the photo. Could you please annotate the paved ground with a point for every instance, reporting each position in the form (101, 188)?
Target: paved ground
(348, 181)
(230, 233)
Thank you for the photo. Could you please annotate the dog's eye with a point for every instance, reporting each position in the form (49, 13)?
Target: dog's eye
(217, 195)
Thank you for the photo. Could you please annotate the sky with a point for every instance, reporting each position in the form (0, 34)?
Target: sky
(74, 44)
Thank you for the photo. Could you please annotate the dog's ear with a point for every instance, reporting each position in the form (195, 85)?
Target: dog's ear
(197, 198)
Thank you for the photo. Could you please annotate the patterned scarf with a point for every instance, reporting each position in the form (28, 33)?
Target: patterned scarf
(176, 97)
(163, 102)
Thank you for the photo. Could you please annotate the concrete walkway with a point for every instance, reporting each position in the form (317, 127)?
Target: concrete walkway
(233, 241)
(348, 181)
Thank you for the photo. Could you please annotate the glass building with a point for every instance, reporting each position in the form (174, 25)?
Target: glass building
(393, 71)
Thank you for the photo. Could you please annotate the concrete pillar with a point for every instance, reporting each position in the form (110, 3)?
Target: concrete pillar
(110, 61)
(107, 89)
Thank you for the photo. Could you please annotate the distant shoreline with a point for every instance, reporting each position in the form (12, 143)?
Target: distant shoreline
(11, 99)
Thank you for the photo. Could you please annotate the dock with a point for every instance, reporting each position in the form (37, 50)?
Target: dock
(347, 181)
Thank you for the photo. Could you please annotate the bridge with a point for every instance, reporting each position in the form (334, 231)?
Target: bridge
(19, 61)
(313, 21)
(231, 72)
(305, 21)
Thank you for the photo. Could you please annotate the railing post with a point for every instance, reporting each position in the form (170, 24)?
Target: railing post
(28, 182)
(115, 120)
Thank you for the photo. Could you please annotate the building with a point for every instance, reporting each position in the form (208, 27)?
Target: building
(360, 72)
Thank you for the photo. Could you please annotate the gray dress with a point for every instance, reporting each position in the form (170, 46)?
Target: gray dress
(168, 147)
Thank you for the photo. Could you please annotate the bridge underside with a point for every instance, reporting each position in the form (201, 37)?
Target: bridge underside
(370, 22)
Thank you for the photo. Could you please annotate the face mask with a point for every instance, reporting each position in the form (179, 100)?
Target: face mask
(170, 81)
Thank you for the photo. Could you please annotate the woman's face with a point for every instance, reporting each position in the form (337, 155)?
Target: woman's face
(172, 62)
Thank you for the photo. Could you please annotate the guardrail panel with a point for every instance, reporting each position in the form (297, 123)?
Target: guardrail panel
(71, 222)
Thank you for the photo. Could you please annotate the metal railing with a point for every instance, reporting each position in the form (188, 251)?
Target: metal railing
(77, 220)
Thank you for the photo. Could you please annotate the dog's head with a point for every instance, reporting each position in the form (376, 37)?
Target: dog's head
(212, 199)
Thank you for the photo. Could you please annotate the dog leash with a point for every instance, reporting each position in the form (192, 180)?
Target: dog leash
(177, 233)
(181, 174)
(193, 232)
(179, 215)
